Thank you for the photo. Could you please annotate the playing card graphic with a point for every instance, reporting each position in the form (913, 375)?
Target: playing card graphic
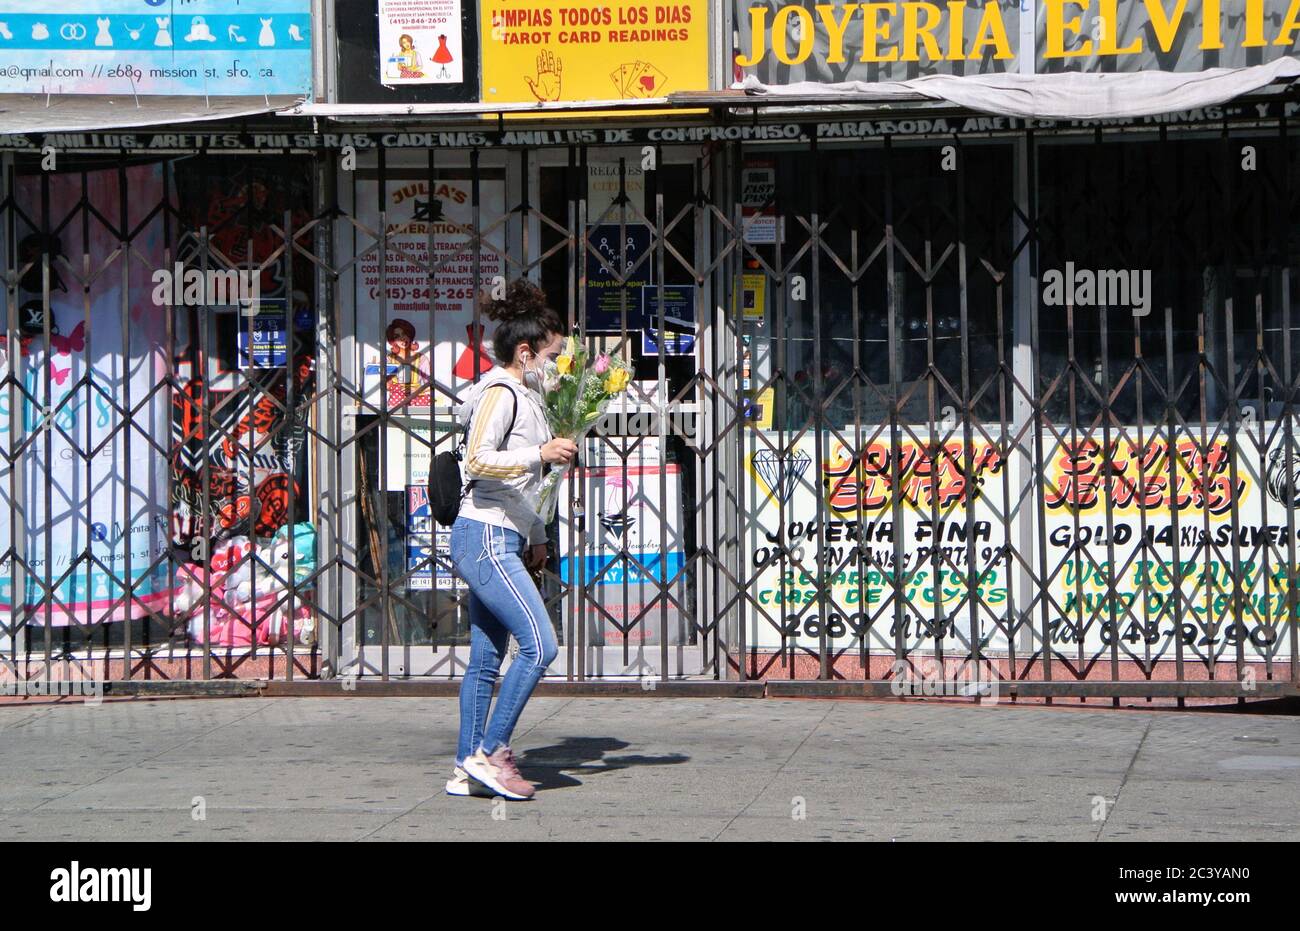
(647, 82)
(620, 77)
(638, 80)
(637, 68)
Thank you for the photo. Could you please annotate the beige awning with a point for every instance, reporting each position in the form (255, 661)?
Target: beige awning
(66, 113)
(381, 111)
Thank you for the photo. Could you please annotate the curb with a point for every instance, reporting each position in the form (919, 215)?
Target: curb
(684, 688)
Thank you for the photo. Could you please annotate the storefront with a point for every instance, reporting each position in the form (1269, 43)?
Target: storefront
(914, 381)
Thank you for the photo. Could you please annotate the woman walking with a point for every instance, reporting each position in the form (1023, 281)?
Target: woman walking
(498, 537)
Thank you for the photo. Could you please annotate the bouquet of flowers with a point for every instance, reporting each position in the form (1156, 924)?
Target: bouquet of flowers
(578, 389)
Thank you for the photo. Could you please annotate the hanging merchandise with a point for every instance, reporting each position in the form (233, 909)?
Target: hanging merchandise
(240, 424)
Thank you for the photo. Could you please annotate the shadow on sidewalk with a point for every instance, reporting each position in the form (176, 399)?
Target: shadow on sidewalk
(549, 767)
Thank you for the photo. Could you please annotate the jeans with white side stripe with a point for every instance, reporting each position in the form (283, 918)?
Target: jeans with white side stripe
(503, 600)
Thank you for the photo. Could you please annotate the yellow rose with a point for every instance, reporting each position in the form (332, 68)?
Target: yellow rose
(616, 381)
(562, 364)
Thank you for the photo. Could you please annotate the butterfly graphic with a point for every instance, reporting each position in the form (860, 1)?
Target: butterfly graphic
(59, 376)
(66, 345)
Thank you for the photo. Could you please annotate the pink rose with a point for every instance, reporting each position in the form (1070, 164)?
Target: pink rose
(602, 364)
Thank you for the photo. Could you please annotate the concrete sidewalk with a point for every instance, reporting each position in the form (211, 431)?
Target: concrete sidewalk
(646, 769)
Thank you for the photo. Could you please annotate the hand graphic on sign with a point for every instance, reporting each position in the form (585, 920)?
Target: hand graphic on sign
(547, 86)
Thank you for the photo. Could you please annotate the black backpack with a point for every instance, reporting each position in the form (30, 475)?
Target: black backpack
(446, 484)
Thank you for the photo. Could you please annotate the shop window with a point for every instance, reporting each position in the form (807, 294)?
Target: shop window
(159, 409)
(1212, 246)
(837, 314)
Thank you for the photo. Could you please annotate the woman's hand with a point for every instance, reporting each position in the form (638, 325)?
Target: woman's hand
(559, 451)
(536, 557)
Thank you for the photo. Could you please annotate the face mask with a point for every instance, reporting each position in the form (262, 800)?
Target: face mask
(536, 375)
(533, 377)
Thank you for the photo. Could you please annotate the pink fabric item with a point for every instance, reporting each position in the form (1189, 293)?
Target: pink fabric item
(262, 622)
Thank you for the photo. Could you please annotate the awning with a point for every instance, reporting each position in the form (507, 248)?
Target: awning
(371, 111)
(1067, 96)
(66, 113)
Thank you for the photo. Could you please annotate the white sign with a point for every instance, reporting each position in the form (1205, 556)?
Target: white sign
(859, 534)
(626, 568)
(420, 42)
(429, 333)
(1119, 585)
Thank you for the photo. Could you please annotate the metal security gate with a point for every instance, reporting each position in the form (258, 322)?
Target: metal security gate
(1015, 409)
(623, 580)
(1033, 416)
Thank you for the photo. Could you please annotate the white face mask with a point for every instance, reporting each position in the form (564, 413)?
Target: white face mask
(535, 373)
(539, 373)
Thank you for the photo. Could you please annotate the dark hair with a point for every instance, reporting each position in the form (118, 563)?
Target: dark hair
(400, 327)
(522, 317)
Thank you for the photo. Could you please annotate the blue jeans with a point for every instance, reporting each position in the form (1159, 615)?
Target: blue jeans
(503, 600)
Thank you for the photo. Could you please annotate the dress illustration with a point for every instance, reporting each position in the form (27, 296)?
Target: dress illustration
(443, 57)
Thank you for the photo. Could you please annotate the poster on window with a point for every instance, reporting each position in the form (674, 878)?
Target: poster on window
(86, 483)
(633, 559)
(420, 42)
(264, 337)
(1166, 564)
(428, 347)
(618, 268)
(947, 527)
(428, 545)
(759, 219)
(677, 338)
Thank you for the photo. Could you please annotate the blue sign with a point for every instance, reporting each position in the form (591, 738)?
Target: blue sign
(428, 546)
(149, 48)
(270, 337)
(678, 336)
(604, 294)
(649, 567)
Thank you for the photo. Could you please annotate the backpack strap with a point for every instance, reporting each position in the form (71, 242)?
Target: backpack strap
(514, 412)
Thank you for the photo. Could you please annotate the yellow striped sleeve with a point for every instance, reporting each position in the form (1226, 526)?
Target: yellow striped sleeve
(480, 436)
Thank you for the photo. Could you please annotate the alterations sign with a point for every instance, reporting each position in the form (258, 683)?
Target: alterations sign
(554, 50)
(148, 47)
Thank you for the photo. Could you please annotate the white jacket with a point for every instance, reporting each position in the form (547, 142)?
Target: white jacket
(506, 476)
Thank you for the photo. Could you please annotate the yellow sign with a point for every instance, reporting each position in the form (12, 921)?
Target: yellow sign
(754, 295)
(572, 50)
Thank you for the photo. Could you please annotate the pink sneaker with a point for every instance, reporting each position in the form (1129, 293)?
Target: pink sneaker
(499, 773)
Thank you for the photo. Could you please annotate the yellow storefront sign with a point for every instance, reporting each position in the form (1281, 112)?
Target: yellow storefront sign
(571, 50)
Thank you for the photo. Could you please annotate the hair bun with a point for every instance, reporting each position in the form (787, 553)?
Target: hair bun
(523, 299)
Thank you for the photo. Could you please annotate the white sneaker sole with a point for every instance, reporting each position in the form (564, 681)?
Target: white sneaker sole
(485, 778)
(461, 785)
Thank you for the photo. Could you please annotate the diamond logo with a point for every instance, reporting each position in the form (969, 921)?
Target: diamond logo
(781, 472)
